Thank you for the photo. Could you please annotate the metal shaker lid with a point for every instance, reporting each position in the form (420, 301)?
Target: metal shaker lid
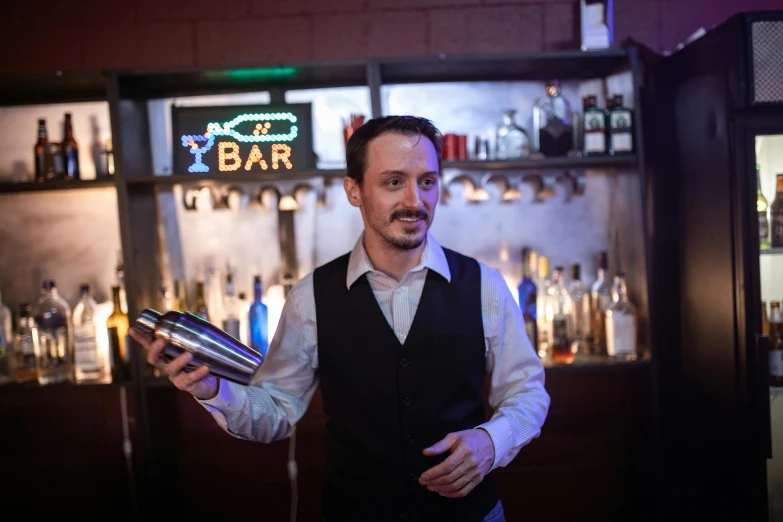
(147, 322)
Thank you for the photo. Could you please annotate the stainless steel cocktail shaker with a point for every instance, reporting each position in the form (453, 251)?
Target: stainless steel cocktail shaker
(226, 357)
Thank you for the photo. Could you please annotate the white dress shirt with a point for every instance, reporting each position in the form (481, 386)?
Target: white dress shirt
(269, 409)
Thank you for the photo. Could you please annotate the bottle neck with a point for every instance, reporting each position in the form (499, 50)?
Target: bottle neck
(258, 290)
(42, 132)
(229, 289)
(116, 299)
(602, 274)
(68, 129)
(620, 290)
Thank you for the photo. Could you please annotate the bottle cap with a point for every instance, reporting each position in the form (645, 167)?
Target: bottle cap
(84, 289)
(25, 309)
(576, 272)
(48, 285)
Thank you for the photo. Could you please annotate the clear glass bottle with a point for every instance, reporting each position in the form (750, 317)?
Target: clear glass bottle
(244, 318)
(761, 207)
(53, 318)
(621, 323)
(214, 297)
(117, 324)
(620, 128)
(553, 123)
(543, 308)
(89, 363)
(6, 348)
(259, 319)
(201, 309)
(764, 319)
(528, 296)
(512, 141)
(600, 301)
(231, 310)
(561, 318)
(580, 314)
(26, 345)
(120, 274)
(180, 300)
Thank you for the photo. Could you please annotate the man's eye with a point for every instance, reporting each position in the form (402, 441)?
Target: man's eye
(394, 182)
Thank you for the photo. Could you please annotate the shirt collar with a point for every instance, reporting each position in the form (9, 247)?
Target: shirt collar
(432, 257)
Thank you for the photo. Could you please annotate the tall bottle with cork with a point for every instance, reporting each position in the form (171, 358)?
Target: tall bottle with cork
(775, 344)
(117, 323)
(528, 295)
(600, 301)
(762, 207)
(776, 213)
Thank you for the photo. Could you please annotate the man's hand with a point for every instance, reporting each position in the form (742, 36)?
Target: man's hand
(472, 456)
(198, 383)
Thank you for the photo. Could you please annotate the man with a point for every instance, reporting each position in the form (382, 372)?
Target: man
(401, 334)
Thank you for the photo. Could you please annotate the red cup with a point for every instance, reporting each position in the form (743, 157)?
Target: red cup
(462, 147)
(450, 147)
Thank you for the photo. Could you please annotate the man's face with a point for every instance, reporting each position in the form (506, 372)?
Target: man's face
(400, 189)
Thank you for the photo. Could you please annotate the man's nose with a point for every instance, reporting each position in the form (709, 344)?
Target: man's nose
(413, 197)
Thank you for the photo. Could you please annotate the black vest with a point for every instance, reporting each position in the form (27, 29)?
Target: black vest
(385, 401)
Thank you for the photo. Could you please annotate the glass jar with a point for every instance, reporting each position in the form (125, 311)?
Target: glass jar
(512, 140)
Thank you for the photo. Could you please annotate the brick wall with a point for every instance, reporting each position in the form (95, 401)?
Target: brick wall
(97, 34)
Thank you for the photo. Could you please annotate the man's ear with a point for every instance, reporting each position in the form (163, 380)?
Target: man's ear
(353, 191)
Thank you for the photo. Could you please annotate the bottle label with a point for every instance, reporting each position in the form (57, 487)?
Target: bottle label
(763, 227)
(622, 142)
(620, 334)
(595, 142)
(776, 363)
(85, 346)
(777, 229)
(559, 333)
(620, 120)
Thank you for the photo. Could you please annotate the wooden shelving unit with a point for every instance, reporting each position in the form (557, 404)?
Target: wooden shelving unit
(19, 188)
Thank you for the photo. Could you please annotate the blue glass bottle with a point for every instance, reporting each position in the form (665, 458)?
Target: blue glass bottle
(528, 295)
(259, 320)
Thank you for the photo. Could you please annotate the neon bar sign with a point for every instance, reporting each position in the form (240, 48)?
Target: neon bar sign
(253, 139)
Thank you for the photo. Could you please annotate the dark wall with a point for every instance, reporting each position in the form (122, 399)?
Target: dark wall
(99, 34)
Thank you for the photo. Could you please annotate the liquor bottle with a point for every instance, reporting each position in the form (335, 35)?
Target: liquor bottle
(764, 319)
(70, 151)
(180, 300)
(775, 345)
(117, 323)
(6, 348)
(44, 166)
(553, 123)
(120, 274)
(26, 345)
(259, 319)
(620, 128)
(580, 316)
(762, 206)
(109, 157)
(214, 297)
(594, 121)
(244, 318)
(54, 358)
(288, 284)
(166, 298)
(621, 323)
(543, 310)
(600, 301)
(561, 318)
(512, 141)
(88, 362)
(527, 296)
(201, 304)
(231, 310)
(776, 213)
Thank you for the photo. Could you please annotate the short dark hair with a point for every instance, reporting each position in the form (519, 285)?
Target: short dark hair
(356, 150)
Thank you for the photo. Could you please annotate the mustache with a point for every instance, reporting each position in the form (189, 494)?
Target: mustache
(409, 214)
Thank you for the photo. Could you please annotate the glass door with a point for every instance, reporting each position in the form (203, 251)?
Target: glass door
(769, 204)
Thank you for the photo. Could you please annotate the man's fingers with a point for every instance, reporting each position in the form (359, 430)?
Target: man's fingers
(175, 367)
(444, 468)
(183, 381)
(448, 478)
(461, 480)
(467, 488)
(441, 446)
(154, 350)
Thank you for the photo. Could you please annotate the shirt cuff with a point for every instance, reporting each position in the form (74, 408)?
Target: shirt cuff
(228, 398)
(499, 431)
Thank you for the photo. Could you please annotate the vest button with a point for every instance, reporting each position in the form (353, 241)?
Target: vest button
(409, 439)
(407, 401)
(414, 477)
(403, 516)
(405, 363)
